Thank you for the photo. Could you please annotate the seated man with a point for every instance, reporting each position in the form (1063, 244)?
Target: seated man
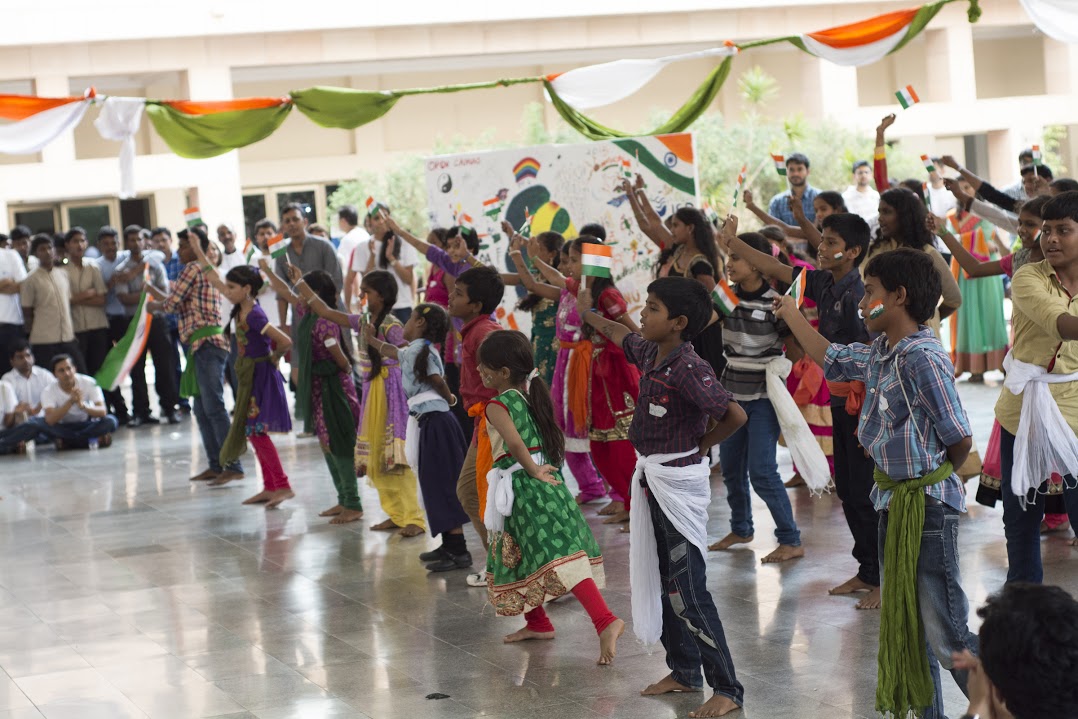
(15, 428)
(27, 379)
(74, 406)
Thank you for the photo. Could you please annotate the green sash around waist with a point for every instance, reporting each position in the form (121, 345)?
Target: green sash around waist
(189, 379)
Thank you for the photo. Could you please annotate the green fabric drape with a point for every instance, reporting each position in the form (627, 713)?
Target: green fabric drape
(904, 681)
(678, 122)
(202, 136)
(235, 444)
(342, 107)
(302, 350)
(189, 380)
(336, 414)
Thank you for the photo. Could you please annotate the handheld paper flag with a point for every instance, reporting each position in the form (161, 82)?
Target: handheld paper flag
(725, 297)
(1036, 155)
(928, 163)
(907, 97)
(596, 260)
(192, 217)
(780, 164)
(797, 289)
(279, 245)
(372, 206)
(248, 251)
(740, 182)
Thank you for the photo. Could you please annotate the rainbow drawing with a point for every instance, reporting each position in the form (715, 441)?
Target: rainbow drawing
(528, 167)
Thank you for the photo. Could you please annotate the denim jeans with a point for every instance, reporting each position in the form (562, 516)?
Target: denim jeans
(748, 455)
(1022, 527)
(209, 405)
(943, 604)
(79, 434)
(853, 484)
(692, 631)
(24, 432)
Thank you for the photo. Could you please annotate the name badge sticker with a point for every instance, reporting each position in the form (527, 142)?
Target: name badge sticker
(656, 410)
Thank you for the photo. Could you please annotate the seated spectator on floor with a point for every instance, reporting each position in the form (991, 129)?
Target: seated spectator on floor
(75, 408)
(27, 379)
(15, 428)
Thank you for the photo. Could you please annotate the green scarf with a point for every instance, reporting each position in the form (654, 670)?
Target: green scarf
(235, 444)
(904, 681)
(336, 414)
(189, 379)
(304, 352)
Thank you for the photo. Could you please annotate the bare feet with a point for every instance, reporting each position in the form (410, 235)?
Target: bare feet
(872, 600)
(225, 477)
(386, 526)
(612, 508)
(795, 481)
(332, 511)
(608, 640)
(624, 528)
(526, 634)
(666, 685)
(279, 496)
(345, 516)
(716, 706)
(412, 530)
(728, 541)
(260, 498)
(204, 476)
(617, 518)
(1074, 542)
(851, 586)
(783, 554)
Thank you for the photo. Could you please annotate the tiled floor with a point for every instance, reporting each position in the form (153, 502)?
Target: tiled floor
(127, 591)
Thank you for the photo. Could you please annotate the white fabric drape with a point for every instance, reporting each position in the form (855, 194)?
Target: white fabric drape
(1058, 19)
(608, 82)
(1045, 443)
(683, 494)
(119, 120)
(500, 495)
(411, 432)
(31, 134)
(854, 56)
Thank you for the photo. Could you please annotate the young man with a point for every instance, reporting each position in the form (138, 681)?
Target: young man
(861, 197)
(1045, 350)
(837, 290)
(398, 259)
(914, 426)
(476, 293)
(158, 344)
(16, 428)
(161, 242)
(12, 273)
(266, 230)
(196, 303)
(74, 405)
(20, 242)
(27, 379)
(305, 251)
(88, 295)
(679, 397)
(46, 303)
(111, 258)
(797, 172)
(354, 234)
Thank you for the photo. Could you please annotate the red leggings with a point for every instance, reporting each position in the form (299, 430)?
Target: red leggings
(273, 476)
(616, 461)
(594, 604)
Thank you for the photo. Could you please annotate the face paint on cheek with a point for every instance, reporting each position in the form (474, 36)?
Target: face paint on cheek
(875, 310)
(838, 255)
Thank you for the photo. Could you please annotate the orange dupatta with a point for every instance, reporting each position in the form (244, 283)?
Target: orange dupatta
(577, 376)
(484, 456)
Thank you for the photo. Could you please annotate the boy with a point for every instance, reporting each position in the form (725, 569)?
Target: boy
(476, 294)
(914, 426)
(679, 398)
(1045, 329)
(74, 407)
(837, 289)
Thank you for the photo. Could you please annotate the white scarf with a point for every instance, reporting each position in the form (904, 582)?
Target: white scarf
(500, 495)
(810, 460)
(411, 433)
(683, 494)
(1045, 443)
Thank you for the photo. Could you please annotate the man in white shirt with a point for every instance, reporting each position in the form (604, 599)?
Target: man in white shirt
(27, 379)
(12, 273)
(861, 197)
(16, 429)
(354, 234)
(375, 255)
(74, 405)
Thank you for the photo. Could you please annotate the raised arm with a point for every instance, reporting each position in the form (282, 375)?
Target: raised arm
(811, 341)
(767, 264)
(385, 348)
(616, 332)
(404, 234)
(750, 205)
(879, 156)
(970, 264)
(646, 217)
(209, 271)
(279, 286)
(320, 308)
(542, 289)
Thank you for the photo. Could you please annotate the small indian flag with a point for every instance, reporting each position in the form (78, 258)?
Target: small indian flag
(596, 260)
(627, 169)
(248, 251)
(797, 289)
(725, 297)
(372, 206)
(1036, 155)
(466, 222)
(279, 245)
(740, 182)
(526, 229)
(907, 97)
(928, 163)
(192, 217)
(780, 164)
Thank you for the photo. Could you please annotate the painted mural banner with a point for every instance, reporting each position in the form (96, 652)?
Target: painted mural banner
(562, 188)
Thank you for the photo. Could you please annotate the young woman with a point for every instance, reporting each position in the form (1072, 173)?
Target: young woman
(261, 406)
(540, 546)
(383, 408)
(546, 247)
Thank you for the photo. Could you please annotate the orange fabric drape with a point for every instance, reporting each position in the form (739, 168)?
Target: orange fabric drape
(194, 107)
(20, 107)
(577, 378)
(854, 392)
(484, 456)
(811, 379)
(865, 32)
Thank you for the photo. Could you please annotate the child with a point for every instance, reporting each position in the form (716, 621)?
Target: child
(915, 428)
(679, 398)
(540, 546)
(753, 337)
(546, 248)
(476, 293)
(326, 398)
(261, 406)
(572, 372)
(837, 290)
(383, 412)
(1045, 329)
(435, 445)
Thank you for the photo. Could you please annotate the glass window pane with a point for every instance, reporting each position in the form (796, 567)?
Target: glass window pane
(89, 217)
(254, 209)
(37, 220)
(304, 198)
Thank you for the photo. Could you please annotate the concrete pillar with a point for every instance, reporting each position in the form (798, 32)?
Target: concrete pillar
(220, 197)
(1060, 67)
(949, 58)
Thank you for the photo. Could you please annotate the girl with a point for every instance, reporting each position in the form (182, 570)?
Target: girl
(437, 291)
(546, 246)
(825, 204)
(754, 336)
(383, 412)
(572, 373)
(540, 546)
(325, 395)
(440, 445)
(261, 406)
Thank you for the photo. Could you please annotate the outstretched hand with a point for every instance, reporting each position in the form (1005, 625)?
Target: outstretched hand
(746, 195)
(885, 123)
(295, 274)
(949, 161)
(729, 231)
(785, 307)
(367, 330)
(547, 473)
(584, 300)
(955, 189)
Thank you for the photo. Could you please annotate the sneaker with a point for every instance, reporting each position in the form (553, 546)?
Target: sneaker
(451, 562)
(104, 441)
(478, 579)
(434, 555)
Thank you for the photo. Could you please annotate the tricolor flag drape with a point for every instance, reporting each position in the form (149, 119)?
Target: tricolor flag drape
(121, 358)
(38, 120)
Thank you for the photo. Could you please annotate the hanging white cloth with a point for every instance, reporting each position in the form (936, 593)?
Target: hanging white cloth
(33, 133)
(1058, 19)
(500, 495)
(683, 494)
(119, 120)
(1045, 443)
(810, 460)
(411, 432)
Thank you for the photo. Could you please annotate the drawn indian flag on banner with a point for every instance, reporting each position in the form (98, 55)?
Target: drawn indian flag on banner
(797, 289)
(725, 297)
(121, 358)
(596, 260)
(279, 245)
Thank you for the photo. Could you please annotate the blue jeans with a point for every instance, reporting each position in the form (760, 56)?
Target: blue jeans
(209, 405)
(692, 631)
(943, 604)
(79, 434)
(748, 455)
(1022, 527)
(28, 430)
